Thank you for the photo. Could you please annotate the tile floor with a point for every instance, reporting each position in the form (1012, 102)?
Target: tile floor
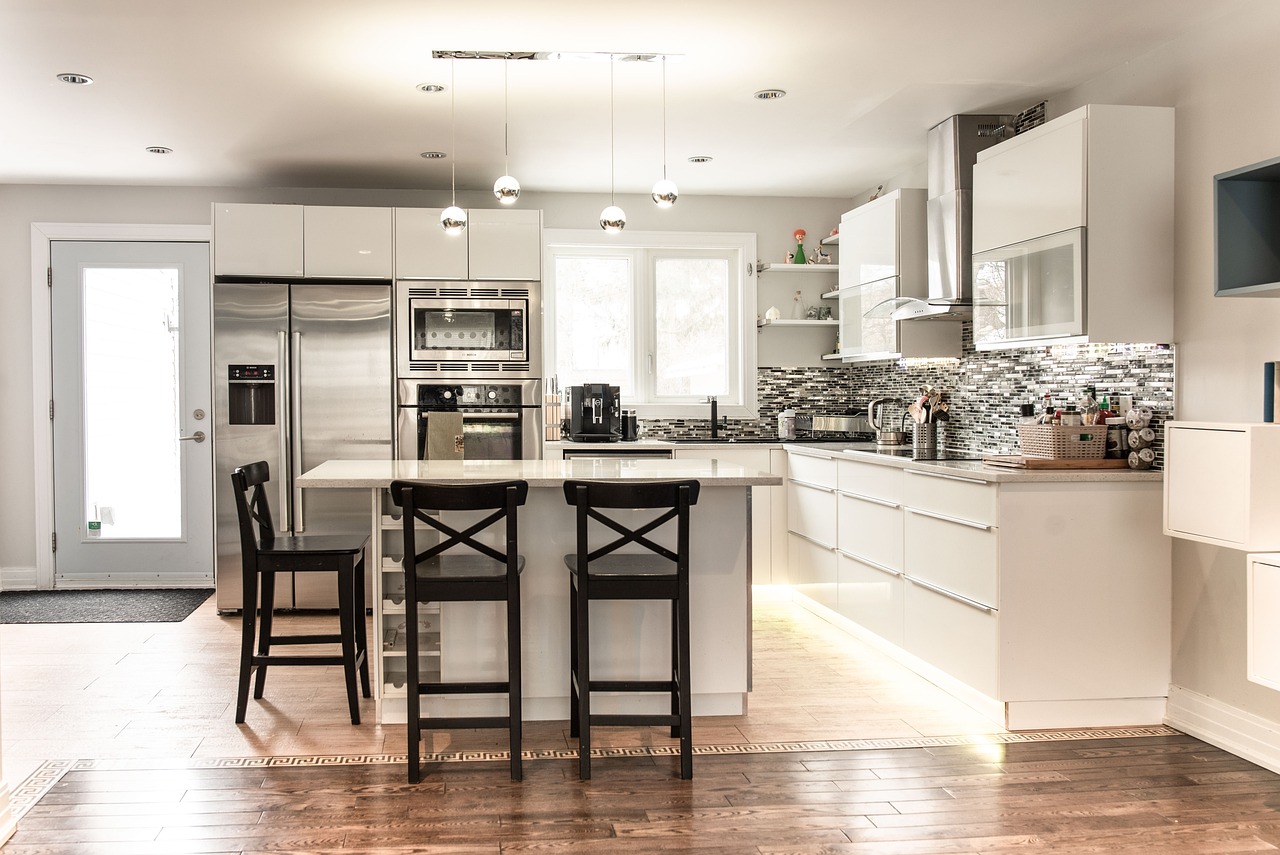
(166, 691)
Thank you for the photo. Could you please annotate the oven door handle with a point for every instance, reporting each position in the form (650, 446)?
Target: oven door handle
(506, 417)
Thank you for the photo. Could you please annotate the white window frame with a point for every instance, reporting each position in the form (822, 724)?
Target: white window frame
(642, 247)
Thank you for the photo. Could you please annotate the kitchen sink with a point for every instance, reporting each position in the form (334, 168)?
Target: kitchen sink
(721, 439)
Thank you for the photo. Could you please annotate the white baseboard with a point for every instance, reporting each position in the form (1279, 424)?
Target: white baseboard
(1244, 734)
(17, 579)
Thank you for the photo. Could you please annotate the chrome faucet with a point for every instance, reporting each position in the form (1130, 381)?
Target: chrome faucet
(715, 430)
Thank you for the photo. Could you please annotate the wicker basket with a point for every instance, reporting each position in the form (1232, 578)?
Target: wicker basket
(1063, 442)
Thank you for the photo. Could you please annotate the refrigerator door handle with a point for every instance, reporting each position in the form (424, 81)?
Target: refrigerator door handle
(282, 435)
(295, 384)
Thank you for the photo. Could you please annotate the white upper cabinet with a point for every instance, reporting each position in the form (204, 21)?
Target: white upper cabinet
(1053, 163)
(497, 244)
(348, 243)
(882, 258)
(257, 240)
(1073, 231)
(424, 251)
(289, 241)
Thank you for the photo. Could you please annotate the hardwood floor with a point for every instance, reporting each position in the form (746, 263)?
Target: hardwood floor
(118, 738)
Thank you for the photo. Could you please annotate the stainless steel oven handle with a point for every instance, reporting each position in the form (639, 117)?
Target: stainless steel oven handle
(282, 419)
(508, 417)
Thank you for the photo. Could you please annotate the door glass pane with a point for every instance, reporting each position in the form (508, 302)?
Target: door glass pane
(691, 303)
(594, 300)
(132, 463)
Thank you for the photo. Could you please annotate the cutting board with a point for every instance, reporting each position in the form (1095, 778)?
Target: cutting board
(1017, 461)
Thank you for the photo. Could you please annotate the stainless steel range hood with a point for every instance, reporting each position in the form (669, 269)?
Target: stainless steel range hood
(953, 149)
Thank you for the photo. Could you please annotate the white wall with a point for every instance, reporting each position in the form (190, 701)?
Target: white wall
(774, 221)
(1224, 82)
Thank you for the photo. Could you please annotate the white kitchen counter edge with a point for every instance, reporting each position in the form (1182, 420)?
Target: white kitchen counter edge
(974, 469)
(539, 473)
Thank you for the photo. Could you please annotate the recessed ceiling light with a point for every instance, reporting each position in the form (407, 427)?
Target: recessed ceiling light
(701, 158)
(159, 149)
(433, 155)
(431, 87)
(75, 79)
(770, 94)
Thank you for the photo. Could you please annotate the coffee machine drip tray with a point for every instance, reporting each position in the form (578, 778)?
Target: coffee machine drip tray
(593, 437)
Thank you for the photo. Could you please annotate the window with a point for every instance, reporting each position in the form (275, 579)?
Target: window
(667, 318)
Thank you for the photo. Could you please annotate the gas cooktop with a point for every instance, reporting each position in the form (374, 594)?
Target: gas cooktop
(909, 453)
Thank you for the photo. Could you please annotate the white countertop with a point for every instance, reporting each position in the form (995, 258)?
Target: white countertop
(539, 473)
(865, 452)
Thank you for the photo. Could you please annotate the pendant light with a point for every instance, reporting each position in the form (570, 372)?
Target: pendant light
(665, 192)
(506, 188)
(612, 219)
(453, 219)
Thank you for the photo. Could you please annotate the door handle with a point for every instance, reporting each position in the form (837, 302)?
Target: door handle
(295, 390)
(198, 436)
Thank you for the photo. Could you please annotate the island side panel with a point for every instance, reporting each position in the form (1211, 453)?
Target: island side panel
(627, 638)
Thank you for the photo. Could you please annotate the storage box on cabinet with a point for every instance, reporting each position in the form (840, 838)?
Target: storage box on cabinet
(1219, 484)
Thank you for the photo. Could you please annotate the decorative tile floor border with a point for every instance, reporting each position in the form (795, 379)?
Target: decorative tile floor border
(27, 794)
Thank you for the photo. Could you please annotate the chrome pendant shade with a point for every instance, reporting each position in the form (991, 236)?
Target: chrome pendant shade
(453, 219)
(665, 191)
(506, 189)
(612, 219)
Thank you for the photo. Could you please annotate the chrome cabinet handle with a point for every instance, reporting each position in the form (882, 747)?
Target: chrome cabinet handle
(873, 565)
(295, 391)
(811, 540)
(817, 487)
(944, 518)
(946, 477)
(973, 604)
(862, 498)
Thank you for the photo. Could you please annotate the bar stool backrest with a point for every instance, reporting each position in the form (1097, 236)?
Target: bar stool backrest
(419, 498)
(254, 508)
(674, 496)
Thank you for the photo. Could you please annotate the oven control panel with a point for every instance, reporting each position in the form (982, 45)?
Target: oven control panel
(444, 396)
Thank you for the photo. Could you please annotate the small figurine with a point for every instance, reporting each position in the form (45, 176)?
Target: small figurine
(820, 256)
(876, 195)
(799, 256)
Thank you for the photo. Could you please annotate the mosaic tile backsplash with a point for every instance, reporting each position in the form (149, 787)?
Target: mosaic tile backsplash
(984, 390)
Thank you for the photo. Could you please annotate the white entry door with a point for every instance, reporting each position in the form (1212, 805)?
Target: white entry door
(132, 451)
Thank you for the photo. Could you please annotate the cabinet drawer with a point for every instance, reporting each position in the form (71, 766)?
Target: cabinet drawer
(870, 479)
(870, 597)
(812, 470)
(952, 496)
(811, 511)
(952, 555)
(951, 635)
(812, 570)
(870, 529)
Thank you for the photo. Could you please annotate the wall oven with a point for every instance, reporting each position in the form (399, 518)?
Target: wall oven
(447, 329)
(501, 419)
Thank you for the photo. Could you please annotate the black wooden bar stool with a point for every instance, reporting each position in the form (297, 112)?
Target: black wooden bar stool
(438, 574)
(604, 573)
(264, 554)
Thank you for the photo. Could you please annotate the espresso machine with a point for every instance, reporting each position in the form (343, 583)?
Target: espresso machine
(594, 414)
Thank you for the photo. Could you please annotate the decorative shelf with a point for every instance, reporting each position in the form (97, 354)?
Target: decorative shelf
(1246, 213)
(830, 239)
(831, 356)
(788, 323)
(832, 294)
(799, 268)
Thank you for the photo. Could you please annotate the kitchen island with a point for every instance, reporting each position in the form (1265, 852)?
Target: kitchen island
(464, 640)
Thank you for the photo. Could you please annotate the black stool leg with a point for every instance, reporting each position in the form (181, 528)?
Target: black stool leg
(675, 665)
(686, 694)
(412, 683)
(574, 724)
(248, 621)
(582, 606)
(266, 613)
(347, 628)
(515, 711)
(362, 640)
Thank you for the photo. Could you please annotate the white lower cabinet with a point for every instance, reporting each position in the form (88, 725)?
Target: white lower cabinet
(1046, 604)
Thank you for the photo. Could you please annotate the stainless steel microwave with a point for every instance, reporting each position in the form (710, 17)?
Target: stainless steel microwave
(460, 328)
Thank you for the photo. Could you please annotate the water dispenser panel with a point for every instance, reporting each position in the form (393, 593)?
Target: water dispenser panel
(251, 394)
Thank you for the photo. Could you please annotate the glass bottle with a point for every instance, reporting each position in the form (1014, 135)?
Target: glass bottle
(797, 308)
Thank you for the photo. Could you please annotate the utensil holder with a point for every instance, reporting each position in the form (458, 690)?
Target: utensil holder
(924, 440)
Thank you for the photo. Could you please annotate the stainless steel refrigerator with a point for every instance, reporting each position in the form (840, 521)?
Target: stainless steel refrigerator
(302, 374)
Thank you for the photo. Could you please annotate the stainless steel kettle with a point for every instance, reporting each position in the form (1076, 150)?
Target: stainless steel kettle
(883, 436)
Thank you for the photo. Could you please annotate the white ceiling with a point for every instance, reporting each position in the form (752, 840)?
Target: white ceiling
(322, 93)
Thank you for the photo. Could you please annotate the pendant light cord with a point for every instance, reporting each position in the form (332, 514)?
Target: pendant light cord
(612, 151)
(453, 133)
(664, 118)
(506, 140)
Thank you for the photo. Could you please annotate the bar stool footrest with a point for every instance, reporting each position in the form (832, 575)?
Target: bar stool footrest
(305, 639)
(665, 686)
(464, 688)
(298, 660)
(450, 722)
(650, 720)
